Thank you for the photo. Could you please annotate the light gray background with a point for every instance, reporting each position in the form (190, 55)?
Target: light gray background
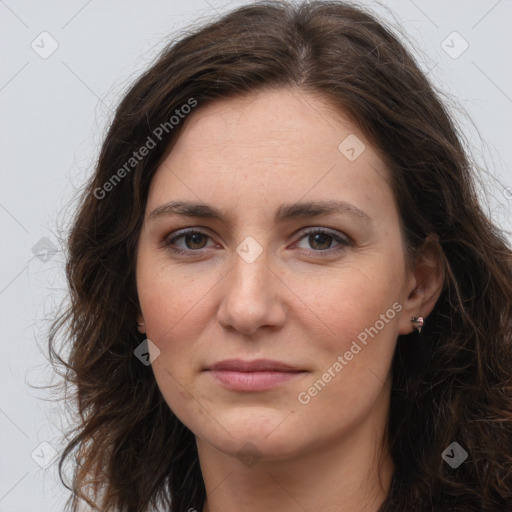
(53, 116)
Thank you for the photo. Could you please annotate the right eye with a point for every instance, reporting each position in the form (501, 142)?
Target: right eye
(191, 240)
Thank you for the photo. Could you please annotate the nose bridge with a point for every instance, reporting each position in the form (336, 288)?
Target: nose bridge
(249, 299)
(249, 277)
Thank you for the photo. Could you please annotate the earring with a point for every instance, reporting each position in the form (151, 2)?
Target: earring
(418, 322)
(140, 324)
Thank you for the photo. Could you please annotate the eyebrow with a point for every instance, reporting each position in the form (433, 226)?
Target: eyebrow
(284, 212)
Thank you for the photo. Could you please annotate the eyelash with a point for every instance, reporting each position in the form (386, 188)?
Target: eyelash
(344, 241)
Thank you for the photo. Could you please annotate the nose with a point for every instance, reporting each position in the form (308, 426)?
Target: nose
(251, 298)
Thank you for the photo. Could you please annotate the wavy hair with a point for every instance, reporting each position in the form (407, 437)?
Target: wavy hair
(452, 383)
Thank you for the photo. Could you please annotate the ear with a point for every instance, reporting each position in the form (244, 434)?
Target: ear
(140, 320)
(425, 283)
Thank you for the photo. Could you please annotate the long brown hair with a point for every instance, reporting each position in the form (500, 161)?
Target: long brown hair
(451, 384)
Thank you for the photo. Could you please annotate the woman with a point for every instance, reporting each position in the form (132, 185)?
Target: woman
(284, 293)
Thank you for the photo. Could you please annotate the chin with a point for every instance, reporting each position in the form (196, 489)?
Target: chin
(250, 450)
(264, 436)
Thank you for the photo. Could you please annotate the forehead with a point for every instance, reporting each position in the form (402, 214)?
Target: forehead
(268, 146)
(268, 121)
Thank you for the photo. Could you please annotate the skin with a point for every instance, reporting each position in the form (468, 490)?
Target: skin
(299, 302)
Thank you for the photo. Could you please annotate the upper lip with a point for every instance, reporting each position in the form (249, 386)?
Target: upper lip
(257, 365)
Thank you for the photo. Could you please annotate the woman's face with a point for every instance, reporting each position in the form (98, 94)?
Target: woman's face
(271, 233)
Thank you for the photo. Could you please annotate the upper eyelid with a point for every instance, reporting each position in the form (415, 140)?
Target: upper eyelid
(185, 231)
(319, 229)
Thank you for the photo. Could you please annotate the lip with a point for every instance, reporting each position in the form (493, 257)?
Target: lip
(257, 365)
(257, 375)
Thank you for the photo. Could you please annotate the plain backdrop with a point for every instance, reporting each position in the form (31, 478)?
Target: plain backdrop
(64, 66)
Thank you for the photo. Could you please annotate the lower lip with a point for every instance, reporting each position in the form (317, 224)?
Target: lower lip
(253, 381)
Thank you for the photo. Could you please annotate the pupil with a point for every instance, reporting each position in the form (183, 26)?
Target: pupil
(320, 238)
(194, 238)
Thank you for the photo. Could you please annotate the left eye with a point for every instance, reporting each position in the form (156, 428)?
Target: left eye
(322, 240)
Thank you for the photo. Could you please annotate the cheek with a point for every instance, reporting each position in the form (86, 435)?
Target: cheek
(350, 299)
(357, 314)
(172, 298)
(173, 305)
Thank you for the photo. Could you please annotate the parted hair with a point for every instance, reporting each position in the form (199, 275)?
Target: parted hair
(452, 383)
